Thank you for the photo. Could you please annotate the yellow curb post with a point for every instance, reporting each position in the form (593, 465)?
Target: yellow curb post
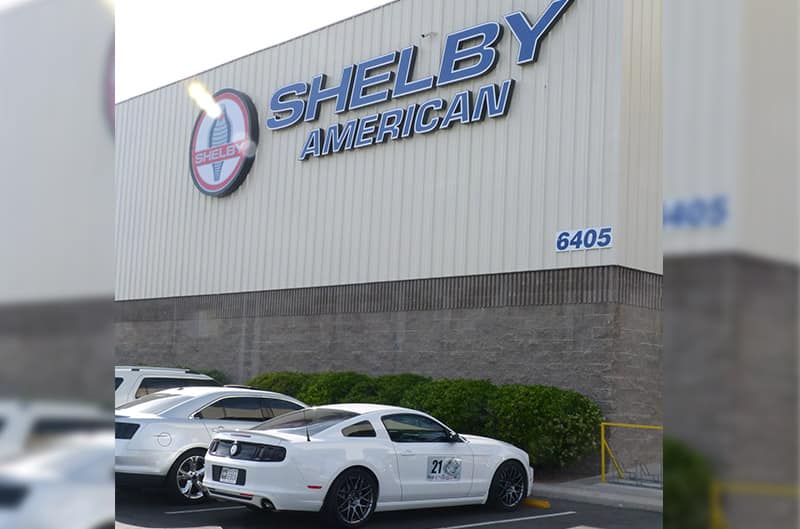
(539, 504)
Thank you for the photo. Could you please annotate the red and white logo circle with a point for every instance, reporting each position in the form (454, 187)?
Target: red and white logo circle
(223, 147)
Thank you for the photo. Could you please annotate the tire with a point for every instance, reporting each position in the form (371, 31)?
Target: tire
(509, 486)
(351, 499)
(183, 479)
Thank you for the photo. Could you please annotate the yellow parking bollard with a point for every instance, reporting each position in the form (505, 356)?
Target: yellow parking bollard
(539, 504)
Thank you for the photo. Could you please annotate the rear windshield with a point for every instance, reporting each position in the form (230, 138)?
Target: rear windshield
(315, 420)
(155, 402)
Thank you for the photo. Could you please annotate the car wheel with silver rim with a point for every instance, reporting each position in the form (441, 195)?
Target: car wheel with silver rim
(509, 486)
(351, 499)
(185, 478)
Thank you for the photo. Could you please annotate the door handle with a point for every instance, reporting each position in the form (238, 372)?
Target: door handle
(217, 429)
(407, 452)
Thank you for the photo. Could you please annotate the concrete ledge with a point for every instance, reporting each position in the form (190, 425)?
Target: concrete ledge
(591, 490)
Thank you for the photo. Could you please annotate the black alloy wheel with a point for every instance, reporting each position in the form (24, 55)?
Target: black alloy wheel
(352, 498)
(509, 486)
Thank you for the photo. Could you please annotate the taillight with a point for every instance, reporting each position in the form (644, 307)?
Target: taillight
(246, 451)
(124, 430)
(270, 453)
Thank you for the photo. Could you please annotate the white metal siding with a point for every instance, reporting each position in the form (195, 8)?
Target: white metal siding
(481, 198)
(702, 112)
(730, 123)
(57, 150)
(640, 180)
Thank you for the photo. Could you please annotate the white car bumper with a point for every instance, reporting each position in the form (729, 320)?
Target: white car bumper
(530, 481)
(279, 483)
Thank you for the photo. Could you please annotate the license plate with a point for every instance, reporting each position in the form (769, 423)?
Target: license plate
(229, 475)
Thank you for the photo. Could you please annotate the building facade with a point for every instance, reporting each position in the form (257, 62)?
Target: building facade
(731, 246)
(452, 188)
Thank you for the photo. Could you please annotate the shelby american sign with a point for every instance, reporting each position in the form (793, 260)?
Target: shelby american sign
(468, 53)
(223, 147)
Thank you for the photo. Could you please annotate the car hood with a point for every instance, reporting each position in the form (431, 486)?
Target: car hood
(481, 444)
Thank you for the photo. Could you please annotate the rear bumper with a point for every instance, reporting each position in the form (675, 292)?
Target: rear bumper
(279, 484)
(280, 500)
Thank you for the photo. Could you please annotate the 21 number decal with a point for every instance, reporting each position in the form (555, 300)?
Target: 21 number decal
(444, 469)
(586, 239)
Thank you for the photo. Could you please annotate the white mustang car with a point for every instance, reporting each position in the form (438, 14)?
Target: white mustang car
(161, 439)
(349, 460)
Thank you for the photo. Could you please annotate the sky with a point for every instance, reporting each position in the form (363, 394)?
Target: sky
(162, 41)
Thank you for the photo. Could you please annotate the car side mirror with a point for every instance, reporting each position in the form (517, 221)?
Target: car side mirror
(452, 437)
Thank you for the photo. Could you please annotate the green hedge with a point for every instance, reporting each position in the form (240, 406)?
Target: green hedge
(461, 404)
(286, 383)
(555, 426)
(687, 481)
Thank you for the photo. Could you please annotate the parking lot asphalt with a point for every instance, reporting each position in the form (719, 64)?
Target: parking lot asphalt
(150, 509)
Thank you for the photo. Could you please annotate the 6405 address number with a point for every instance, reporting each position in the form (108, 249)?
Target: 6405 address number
(585, 239)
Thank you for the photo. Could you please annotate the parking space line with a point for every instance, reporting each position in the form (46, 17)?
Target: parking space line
(190, 511)
(510, 520)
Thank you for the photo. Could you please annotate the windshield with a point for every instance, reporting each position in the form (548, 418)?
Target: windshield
(155, 402)
(314, 418)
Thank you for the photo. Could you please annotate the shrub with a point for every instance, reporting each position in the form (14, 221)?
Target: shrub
(391, 389)
(461, 404)
(555, 426)
(332, 388)
(687, 480)
(288, 383)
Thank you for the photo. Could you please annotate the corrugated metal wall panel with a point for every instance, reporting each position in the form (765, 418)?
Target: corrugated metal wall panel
(731, 128)
(640, 181)
(482, 198)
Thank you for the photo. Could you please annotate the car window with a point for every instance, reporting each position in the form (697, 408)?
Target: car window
(46, 429)
(234, 409)
(413, 428)
(117, 382)
(276, 407)
(313, 420)
(359, 429)
(153, 384)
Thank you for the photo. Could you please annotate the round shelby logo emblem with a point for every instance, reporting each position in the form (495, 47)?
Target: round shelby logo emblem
(223, 147)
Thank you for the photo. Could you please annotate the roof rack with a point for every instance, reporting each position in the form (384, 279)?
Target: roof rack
(240, 386)
(140, 368)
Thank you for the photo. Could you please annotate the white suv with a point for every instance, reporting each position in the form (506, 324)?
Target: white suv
(132, 382)
(27, 426)
(161, 439)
